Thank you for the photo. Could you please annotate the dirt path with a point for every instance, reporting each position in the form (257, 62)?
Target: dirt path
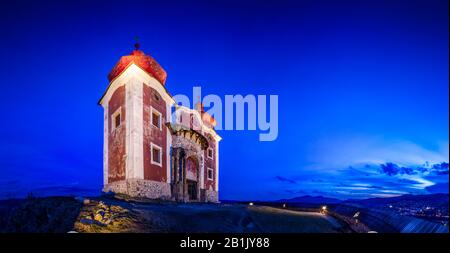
(276, 220)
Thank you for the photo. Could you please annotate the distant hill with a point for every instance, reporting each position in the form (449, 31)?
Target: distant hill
(307, 199)
(437, 199)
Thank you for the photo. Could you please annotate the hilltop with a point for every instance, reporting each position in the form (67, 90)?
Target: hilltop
(107, 214)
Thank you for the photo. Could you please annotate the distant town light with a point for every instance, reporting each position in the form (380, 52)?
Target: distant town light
(324, 208)
(284, 205)
(250, 204)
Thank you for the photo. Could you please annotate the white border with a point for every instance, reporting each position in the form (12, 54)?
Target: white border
(153, 145)
(105, 143)
(202, 171)
(134, 130)
(217, 166)
(168, 158)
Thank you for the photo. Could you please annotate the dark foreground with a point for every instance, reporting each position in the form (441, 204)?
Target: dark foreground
(105, 214)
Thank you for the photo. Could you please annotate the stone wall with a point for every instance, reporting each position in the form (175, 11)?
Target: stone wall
(140, 188)
(212, 196)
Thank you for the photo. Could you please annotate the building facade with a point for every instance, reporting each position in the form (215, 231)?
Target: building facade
(154, 148)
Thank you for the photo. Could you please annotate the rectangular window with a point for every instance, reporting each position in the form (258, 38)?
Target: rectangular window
(116, 119)
(156, 154)
(156, 118)
(210, 174)
(210, 153)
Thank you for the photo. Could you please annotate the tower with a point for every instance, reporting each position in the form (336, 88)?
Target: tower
(145, 154)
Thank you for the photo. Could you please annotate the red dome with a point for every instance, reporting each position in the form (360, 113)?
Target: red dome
(146, 62)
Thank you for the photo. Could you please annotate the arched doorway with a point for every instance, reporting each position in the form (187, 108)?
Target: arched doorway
(192, 177)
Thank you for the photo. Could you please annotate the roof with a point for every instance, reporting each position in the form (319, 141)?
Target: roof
(145, 62)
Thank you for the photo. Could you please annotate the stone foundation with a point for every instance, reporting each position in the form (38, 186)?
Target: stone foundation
(212, 196)
(140, 188)
(153, 190)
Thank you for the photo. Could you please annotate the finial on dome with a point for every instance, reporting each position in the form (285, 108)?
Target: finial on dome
(136, 44)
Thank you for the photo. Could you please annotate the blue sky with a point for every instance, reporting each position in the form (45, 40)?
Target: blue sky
(362, 86)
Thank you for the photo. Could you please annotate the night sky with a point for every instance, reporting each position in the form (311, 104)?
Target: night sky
(362, 86)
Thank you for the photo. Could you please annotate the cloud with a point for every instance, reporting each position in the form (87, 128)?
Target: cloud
(332, 153)
(392, 169)
(370, 180)
(285, 180)
(362, 167)
(359, 185)
(440, 169)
